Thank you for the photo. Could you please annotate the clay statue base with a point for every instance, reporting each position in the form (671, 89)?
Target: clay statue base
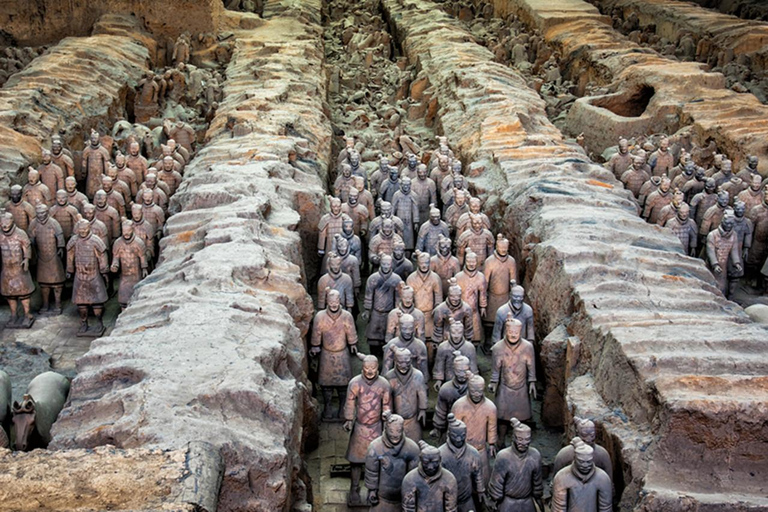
(92, 332)
(19, 323)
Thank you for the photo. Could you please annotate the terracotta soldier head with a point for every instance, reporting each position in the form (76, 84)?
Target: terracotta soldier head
(106, 184)
(664, 145)
(89, 212)
(407, 327)
(393, 427)
(354, 159)
(756, 183)
(370, 369)
(133, 149)
(70, 184)
(516, 295)
(455, 332)
(100, 199)
(388, 229)
(727, 167)
(710, 186)
(457, 431)
(16, 192)
(41, 212)
(470, 261)
(386, 209)
(717, 161)
(666, 184)
(476, 389)
(421, 172)
(422, 261)
(429, 459)
(623, 146)
(148, 196)
(334, 264)
(83, 229)
(332, 300)
(346, 170)
(683, 212)
(406, 296)
(127, 230)
(585, 429)
(342, 246)
(119, 161)
(434, 216)
(385, 264)
(359, 184)
(62, 198)
(678, 198)
(502, 245)
(384, 165)
(393, 173)
(444, 246)
(347, 225)
(335, 203)
(46, 157)
(638, 162)
(33, 177)
(150, 180)
(700, 174)
(727, 222)
(168, 163)
(94, 139)
(460, 196)
(461, 371)
(454, 293)
(458, 182)
(137, 214)
(353, 197)
(752, 162)
(413, 161)
(475, 205)
(398, 248)
(6, 223)
(403, 360)
(722, 198)
(512, 330)
(56, 146)
(456, 166)
(443, 162)
(739, 209)
(583, 461)
(521, 435)
(405, 185)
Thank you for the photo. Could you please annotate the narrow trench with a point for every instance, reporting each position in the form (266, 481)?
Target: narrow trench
(52, 342)
(369, 84)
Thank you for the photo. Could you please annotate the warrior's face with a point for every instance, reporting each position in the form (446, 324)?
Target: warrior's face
(406, 330)
(335, 206)
(370, 369)
(457, 436)
(587, 433)
(394, 430)
(347, 226)
(522, 440)
(403, 363)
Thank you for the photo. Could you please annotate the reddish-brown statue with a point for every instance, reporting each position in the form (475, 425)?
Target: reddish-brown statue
(95, 162)
(381, 291)
(334, 339)
(19, 208)
(474, 288)
(429, 487)
(464, 462)
(368, 399)
(47, 237)
(480, 416)
(87, 262)
(15, 280)
(516, 481)
(409, 393)
(406, 338)
(585, 429)
(129, 257)
(581, 486)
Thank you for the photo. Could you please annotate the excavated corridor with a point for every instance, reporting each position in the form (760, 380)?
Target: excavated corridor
(206, 378)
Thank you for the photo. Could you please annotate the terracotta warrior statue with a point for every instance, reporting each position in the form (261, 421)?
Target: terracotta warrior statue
(368, 399)
(152, 212)
(389, 458)
(136, 162)
(753, 195)
(47, 237)
(459, 207)
(407, 339)
(381, 291)
(357, 212)
(425, 191)
(344, 182)
(75, 197)
(429, 487)
(129, 257)
(145, 231)
(581, 486)
(662, 160)
(634, 178)
(516, 481)
(685, 229)
(464, 222)
(744, 230)
(474, 288)
(114, 198)
(405, 306)
(35, 192)
(15, 280)
(478, 240)
(108, 215)
(480, 416)
(463, 461)
(430, 233)
(95, 162)
(453, 308)
(513, 379)
(350, 265)
(122, 188)
(449, 393)
(334, 339)
(20, 209)
(386, 213)
(585, 429)
(446, 350)
(406, 208)
(51, 174)
(621, 161)
(519, 310)
(703, 201)
(98, 228)
(87, 261)
(500, 270)
(658, 200)
(65, 214)
(384, 242)
(713, 215)
(427, 293)
(348, 233)
(335, 279)
(401, 264)
(409, 393)
(670, 210)
(169, 175)
(723, 250)
(61, 157)
(329, 225)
